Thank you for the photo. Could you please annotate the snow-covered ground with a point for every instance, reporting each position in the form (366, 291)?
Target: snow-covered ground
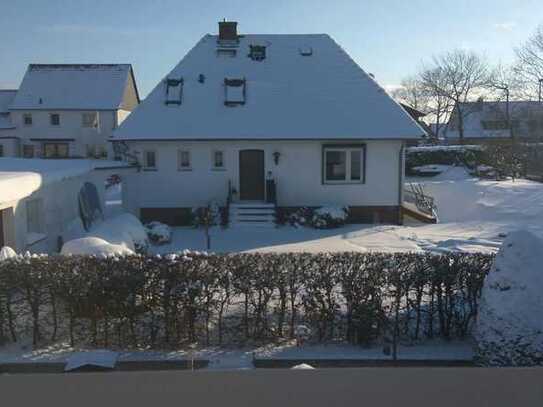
(241, 358)
(474, 215)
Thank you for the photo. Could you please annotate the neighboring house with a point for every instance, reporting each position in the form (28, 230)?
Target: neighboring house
(417, 115)
(71, 110)
(486, 121)
(8, 141)
(290, 120)
(41, 200)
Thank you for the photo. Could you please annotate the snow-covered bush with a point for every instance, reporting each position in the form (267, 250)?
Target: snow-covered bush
(509, 329)
(124, 229)
(328, 217)
(301, 217)
(94, 246)
(7, 253)
(159, 233)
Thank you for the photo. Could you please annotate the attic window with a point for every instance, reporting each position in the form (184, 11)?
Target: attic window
(257, 52)
(306, 51)
(234, 92)
(174, 91)
(226, 52)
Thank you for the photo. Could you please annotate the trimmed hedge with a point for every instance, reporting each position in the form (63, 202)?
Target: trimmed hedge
(467, 156)
(161, 302)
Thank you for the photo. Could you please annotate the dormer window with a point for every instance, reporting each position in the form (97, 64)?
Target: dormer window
(257, 52)
(234, 92)
(226, 52)
(174, 91)
(306, 51)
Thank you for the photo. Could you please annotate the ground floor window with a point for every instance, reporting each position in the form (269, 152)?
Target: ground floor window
(218, 159)
(184, 161)
(55, 150)
(149, 160)
(28, 151)
(35, 216)
(343, 164)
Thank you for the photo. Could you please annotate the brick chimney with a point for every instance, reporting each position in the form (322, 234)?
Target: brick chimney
(228, 30)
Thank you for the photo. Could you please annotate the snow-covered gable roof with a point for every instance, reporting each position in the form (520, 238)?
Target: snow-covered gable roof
(20, 177)
(80, 87)
(6, 97)
(324, 95)
(527, 114)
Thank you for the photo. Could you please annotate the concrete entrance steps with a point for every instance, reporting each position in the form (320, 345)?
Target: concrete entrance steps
(252, 214)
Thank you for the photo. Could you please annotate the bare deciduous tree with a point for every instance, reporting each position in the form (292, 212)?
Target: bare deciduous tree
(463, 77)
(412, 93)
(529, 65)
(439, 104)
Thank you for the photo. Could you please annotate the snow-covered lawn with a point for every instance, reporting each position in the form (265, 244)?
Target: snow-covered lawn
(474, 215)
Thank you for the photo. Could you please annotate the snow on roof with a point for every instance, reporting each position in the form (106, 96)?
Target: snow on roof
(82, 87)
(6, 97)
(104, 359)
(476, 113)
(20, 177)
(288, 95)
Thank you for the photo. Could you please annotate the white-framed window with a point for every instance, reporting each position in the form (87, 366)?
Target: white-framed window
(218, 159)
(27, 119)
(343, 164)
(174, 91)
(184, 161)
(234, 92)
(149, 160)
(34, 216)
(89, 119)
(54, 119)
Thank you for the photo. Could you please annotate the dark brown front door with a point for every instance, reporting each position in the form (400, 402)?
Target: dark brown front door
(251, 175)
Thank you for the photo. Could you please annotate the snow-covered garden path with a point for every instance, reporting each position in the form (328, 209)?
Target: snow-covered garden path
(475, 215)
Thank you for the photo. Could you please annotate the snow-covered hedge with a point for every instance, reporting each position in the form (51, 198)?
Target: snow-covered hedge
(153, 301)
(509, 329)
(468, 156)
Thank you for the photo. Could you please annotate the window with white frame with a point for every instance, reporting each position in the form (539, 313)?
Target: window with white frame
(234, 92)
(184, 160)
(218, 159)
(89, 119)
(34, 216)
(149, 160)
(174, 91)
(343, 164)
(27, 119)
(54, 119)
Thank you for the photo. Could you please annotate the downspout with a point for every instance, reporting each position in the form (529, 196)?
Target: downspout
(400, 182)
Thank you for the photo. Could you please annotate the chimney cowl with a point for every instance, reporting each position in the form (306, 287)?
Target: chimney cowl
(228, 30)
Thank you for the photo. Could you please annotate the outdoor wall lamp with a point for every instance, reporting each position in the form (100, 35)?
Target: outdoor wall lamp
(276, 156)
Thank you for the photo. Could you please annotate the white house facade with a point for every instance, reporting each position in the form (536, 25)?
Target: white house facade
(65, 111)
(290, 120)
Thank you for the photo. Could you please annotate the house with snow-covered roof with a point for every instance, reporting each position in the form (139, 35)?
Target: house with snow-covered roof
(487, 121)
(8, 140)
(266, 122)
(71, 110)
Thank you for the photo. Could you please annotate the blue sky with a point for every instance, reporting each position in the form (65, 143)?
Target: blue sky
(389, 38)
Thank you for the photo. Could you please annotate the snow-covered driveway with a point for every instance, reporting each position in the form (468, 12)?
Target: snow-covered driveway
(475, 215)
